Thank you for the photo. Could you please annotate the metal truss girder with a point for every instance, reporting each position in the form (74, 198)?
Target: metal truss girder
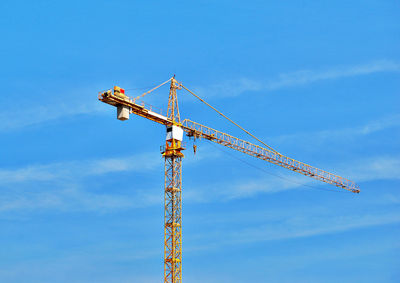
(201, 131)
(173, 219)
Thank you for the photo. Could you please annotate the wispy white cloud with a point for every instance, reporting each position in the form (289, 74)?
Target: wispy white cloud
(300, 227)
(291, 224)
(81, 265)
(23, 117)
(73, 104)
(79, 169)
(302, 77)
(306, 76)
(230, 190)
(360, 170)
(312, 138)
(280, 226)
(378, 168)
(75, 197)
(42, 107)
(67, 185)
(383, 167)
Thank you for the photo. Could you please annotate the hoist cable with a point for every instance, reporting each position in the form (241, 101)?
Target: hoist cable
(247, 132)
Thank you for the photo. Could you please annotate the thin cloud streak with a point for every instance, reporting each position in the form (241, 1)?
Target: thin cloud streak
(303, 77)
(63, 104)
(73, 197)
(78, 169)
(306, 76)
(319, 226)
(69, 177)
(33, 116)
(62, 185)
(378, 168)
(341, 134)
(67, 185)
(302, 228)
(361, 170)
(230, 191)
(294, 227)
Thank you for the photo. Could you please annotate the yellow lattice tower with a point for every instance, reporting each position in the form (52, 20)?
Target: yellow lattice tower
(173, 192)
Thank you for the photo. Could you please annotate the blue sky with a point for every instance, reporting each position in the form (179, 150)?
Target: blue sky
(81, 192)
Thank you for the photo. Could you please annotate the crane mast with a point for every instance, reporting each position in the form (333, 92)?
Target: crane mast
(172, 154)
(173, 192)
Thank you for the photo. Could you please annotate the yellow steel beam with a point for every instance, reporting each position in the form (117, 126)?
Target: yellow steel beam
(195, 129)
(201, 131)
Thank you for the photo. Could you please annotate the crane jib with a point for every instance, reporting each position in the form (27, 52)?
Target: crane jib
(200, 131)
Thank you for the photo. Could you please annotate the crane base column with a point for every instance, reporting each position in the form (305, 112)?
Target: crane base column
(173, 213)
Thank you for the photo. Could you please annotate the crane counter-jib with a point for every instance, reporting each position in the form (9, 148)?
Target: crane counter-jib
(135, 108)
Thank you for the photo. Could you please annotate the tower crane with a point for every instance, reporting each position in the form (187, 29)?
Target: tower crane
(172, 154)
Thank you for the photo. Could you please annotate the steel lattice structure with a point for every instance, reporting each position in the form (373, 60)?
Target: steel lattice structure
(173, 195)
(201, 131)
(172, 153)
(173, 219)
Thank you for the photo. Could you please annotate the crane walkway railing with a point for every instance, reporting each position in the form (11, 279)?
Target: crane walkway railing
(200, 131)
